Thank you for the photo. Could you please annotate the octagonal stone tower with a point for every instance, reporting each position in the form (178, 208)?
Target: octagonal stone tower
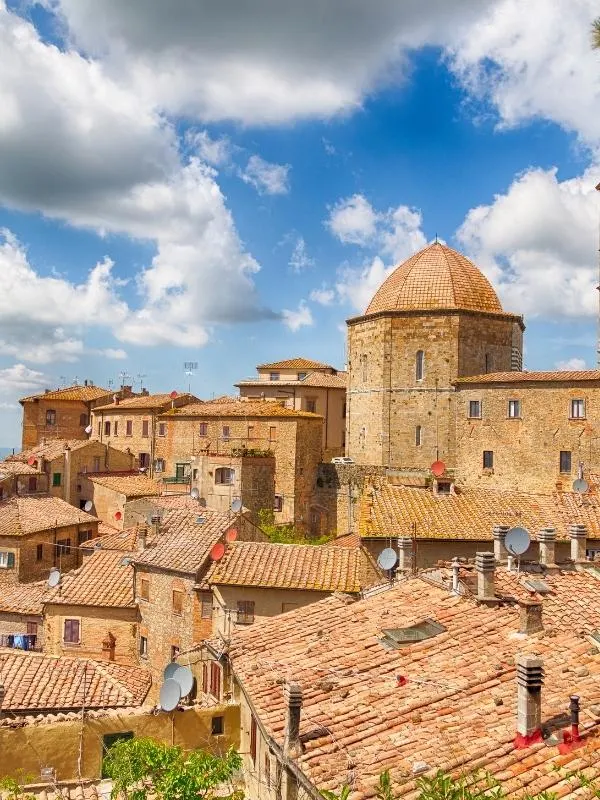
(434, 319)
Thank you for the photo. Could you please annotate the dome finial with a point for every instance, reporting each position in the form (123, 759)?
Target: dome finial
(436, 239)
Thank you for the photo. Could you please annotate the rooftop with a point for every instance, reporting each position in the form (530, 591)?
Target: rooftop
(20, 516)
(532, 377)
(149, 401)
(51, 449)
(17, 468)
(105, 579)
(23, 598)
(296, 363)
(317, 379)
(129, 485)
(437, 277)
(240, 408)
(294, 566)
(110, 538)
(38, 683)
(75, 392)
(446, 703)
(470, 514)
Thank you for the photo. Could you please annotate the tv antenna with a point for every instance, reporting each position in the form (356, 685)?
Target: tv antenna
(190, 367)
(63, 381)
(123, 375)
(140, 377)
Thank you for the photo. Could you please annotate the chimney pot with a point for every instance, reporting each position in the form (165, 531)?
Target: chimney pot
(485, 565)
(500, 551)
(292, 693)
(547, 539)
(578, 536)
(108, 647)
(531, 616)
(142, 538)
(455, 575)
(530, 678)
(405, 546)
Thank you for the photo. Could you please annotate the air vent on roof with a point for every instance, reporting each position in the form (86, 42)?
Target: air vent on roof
(536, 585)
(200, 520)
(395, 638)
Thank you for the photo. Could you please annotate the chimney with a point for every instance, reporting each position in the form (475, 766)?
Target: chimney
(405, 551)
(546, 539)
(530, 677)
(85, 383)
(578, 536)
(142, 538)
(455, 575)
(108, 647)
(67, 475)
(155, 520)
(500, 551)
(485, 566)
(530, 620)
(574, 713)
(292, 747)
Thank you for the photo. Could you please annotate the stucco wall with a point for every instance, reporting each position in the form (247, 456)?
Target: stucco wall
(95, 624)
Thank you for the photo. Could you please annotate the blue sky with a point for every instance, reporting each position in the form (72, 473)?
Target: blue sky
(192, 188)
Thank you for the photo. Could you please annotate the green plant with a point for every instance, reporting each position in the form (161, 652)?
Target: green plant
(596, 34)
(286, 533)
(14, 785)
(143, 768)
(343, 794)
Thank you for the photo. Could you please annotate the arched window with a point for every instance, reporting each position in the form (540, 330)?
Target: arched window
(224, 476)
(418, 436)
(419, 365)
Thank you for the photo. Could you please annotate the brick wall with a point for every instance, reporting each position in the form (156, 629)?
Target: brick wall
(253, 481)
(337, 493)
(136, 442)
(95, 624)
(71, 420)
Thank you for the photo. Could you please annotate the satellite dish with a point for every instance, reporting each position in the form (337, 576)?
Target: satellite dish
(218, 551)
(184, 678)
(195, 494)
(170, 695)
(202, 501)
(170, 670)
(438, 468)
(173, 395)
(31, 461)
(236, 505)
(53, 578)
(580, 486)
(231, 535)
(517, 541)
(88, 505)
(118, 515)
(88, 429)
(387, 558)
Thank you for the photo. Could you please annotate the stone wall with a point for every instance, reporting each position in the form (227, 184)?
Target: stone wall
(337, 492)
(95, 624)
(72, 417)
(253, 482)
(134, 443)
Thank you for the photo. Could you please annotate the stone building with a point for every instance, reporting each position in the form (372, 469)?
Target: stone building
(305, 385)
(21, 619)
(61, 413)
(110, 494)
(20, 479)
(436, 318)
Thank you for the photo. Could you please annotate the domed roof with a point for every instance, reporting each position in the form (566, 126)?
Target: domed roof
(436, 277)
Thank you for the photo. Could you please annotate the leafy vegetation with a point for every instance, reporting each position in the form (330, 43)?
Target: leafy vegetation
(251, 452)
(286, 533)
(596, 34)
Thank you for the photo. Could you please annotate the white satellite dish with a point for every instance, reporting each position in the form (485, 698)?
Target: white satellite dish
(170, 695)
(88, 429)
(387, 558)
(88, 505)
(517, 541)
(185, 679)
(170, 670)
(53, 578)
(580, 486)
(236, 505)
(195, 494)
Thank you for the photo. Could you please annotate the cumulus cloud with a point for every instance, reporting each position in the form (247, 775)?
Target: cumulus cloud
(572, 365)
(19, 378)
(300, 260)
(323, 296)
(300, 318)
(213, 151)
(267, 178)
(353, 221)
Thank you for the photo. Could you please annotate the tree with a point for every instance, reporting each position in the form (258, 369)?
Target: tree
(286, 533)
(596, 34)
(143, 768)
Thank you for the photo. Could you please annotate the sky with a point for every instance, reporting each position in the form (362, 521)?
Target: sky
(226, 183)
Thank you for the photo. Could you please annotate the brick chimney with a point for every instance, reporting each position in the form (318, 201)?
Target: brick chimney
(292, 747)
(547, 539)
(142, 538)
(578, 536)
(530, 620)
(530, 678)
(500, 551)
(485, 566)
(405, 550)
(108, 647)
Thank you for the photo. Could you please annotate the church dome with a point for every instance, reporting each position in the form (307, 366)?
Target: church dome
(437, 277)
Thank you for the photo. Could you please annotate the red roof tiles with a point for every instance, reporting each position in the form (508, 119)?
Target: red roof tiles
(20, 516)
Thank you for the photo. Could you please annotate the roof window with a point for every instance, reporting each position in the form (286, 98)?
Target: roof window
(536, 585)
(395, 638)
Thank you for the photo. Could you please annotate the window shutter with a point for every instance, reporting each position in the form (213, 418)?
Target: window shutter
(10, 561)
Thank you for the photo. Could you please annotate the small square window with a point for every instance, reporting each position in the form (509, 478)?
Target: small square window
(217, 726)
(311, 405)
(301, 376)
(577, 409)
(145, 428)
(84, 536)
(145, 589)
(177, 602)
(475, 409)
(63, 547)
(203, 429)
(565, 461)
(39, 552)
(273, 376)
(129, 427)
(488, 459)
(162, 428)
(278, 503)
(56, 478)
(514, 409)
(144, 646)
(245, 612)
(7, 560)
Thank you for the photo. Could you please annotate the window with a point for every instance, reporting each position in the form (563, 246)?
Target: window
(565, 461)
(577, 409)
(215, 680)
(32, 484)
(272, 433)
(83, 420)
(50, 417)
(84, 536)
(107, 428)
(159, 465)
(311, 405)
(129, 427)
(418, 436)
(162, 428)
(250, 431)
(71, 631)
(7, 560)
(205, 678)
(99, 430)
(96, 464)
(206, 605)
(182, 472)
(116, 428)
(217, 726)
(224, 476)
(226, 432)
(278, 502)
(301, 376)
(63, 547)
(177, 602)
(365, 368)
(245, 612)
(268, 769)
(145, 589)
(144, 646)
(273, 376)
(174, 651)
(56, 476)
(32, 628)
(344, 410)
(39, 552)
(145, 428)
(514, 409)
(420, 365)
(253, 739)
(144, 459)
(475, 409)
(203, 429)
(488, 459)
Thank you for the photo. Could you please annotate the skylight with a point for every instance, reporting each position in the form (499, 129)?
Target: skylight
(395, 638)
(536, 585)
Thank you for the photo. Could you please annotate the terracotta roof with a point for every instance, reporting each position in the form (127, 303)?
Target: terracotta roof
(114, 539)
(149, 401)
(295, 363)
(318, 568)
(129, 485)
(437, 277)
(20, 516)
(66, 790)
(50, 449)
(43, 683)
(454, 710)
(471, 513)
(18, 468)
(83, 393)
(316, 379)
(23, 598)
(240, 408)
(184, 544)
(105, 579)
(531, 377)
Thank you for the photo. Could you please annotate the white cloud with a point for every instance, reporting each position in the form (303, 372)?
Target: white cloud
(353, 220)
(214, 151)
(537, 243)
(300, 318)
(300, 260)
(267, 178)
(572, 365)
(323, 296)
(357, 285)
(19, 378)
(113, 353)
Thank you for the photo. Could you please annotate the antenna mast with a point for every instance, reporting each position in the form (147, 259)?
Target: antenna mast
(598, 289)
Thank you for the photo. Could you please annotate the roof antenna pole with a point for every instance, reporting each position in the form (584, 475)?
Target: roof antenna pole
(598, 290)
